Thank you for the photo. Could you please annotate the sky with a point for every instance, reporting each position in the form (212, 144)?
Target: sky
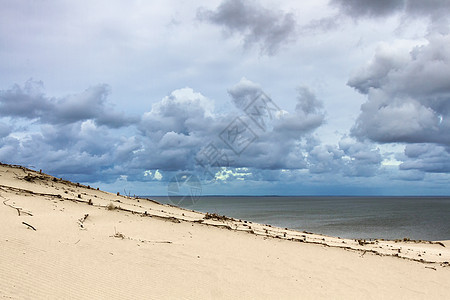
(327, 97)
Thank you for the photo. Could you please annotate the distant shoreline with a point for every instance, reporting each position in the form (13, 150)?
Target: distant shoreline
(66, 240)
(308, 196)
(350, 217)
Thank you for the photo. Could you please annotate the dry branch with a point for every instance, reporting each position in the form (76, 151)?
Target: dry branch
(81, 220)
(19, 210)
(30, 226)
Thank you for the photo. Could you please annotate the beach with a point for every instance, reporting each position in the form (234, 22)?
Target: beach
(63, 240)
(355, 217)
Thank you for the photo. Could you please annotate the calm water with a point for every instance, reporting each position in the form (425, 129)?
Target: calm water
(426, 218)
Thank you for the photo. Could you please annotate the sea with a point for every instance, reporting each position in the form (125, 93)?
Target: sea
(418, 218)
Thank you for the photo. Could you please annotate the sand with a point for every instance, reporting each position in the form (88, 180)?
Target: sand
(61, 240)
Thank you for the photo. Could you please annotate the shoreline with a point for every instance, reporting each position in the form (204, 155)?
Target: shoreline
(370, 218)
(53, 228)
(382, 245)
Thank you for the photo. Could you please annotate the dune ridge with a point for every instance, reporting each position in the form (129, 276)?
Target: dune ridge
(63, 239)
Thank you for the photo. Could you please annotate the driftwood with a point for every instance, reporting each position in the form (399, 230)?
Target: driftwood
(30, 226)
(81, 220)
(19, 210)
(217, 217)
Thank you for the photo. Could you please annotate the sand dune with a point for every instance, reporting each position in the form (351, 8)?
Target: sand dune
(61, 240)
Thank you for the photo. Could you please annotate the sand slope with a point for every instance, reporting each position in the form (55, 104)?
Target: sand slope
(139, 249)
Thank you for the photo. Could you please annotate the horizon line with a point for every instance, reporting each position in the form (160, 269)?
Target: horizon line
(219, 195)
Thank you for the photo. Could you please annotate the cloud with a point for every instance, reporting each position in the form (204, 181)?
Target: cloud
(383, 8)
(175, 129)
(426, 158)
(362, 159)
(77, 135)
(183, 132)
(431, 7)
(183, 111)
(9, 150)
(408, 94)
(409, 175)
(227, 174)
(277, 143)
(183, 128)
(244, 92)
(360, 8)
(173, 136)
(30, 102)
(69, 141)
(4, 130)
(266, 27)
(25, 102)
(308, 113)
(325, 159)
(80, 150)
(157, 176)
(385, 60)
(307, 117)
(434, 11)
(350, 158)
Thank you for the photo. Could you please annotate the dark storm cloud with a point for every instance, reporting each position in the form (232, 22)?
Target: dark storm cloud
(243, 93)
(183, 123)
(381, 8)
(427, 158)
(4, 130)
(362, 159)
(409, 175)
(360, 8)
(325, 159)
(30, 102)
(77, 151)
(70, 141)
(278, 148)
(183, 111)
(307, 102)
(70, 148)
(308, 113)
(408, 95)
(436, 12)
(9, 147)
(175, 129)
(267, 27)
(374, 75)
(25, 102)
(429, 7)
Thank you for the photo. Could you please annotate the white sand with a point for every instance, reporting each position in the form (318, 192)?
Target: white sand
(171, 253)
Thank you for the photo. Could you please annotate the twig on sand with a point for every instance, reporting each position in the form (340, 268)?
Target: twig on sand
(19, 210)
(158, 242)
(29, 226)
(440, 243)
(118, 234)
(81, 220)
